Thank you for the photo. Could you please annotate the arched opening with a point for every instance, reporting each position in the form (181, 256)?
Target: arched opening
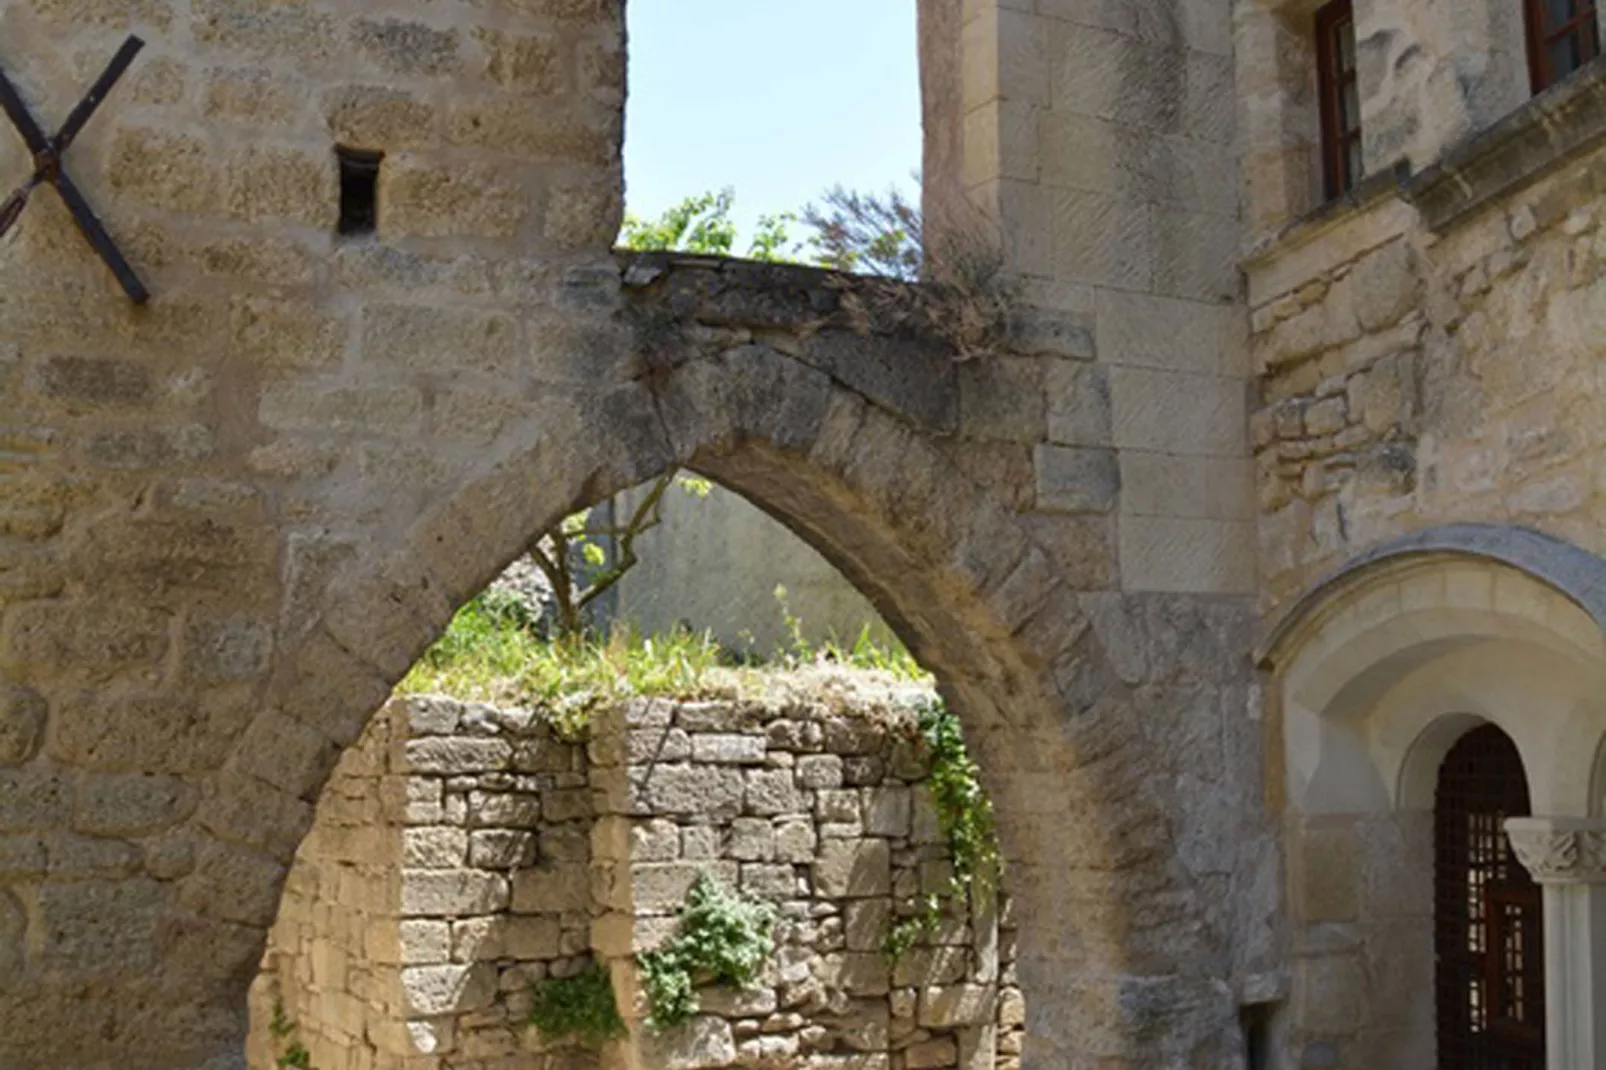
(1430, 694)
(1488, 913)
(480, 845)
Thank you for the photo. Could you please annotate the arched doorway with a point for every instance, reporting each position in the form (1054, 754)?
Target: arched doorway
(1488, 913)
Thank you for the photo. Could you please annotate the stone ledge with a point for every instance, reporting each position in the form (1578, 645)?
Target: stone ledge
(1549, 129)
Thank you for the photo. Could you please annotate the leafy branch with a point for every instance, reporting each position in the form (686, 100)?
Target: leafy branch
(576, 565)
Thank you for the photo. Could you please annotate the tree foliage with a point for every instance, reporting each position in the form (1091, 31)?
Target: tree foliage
(848, 230)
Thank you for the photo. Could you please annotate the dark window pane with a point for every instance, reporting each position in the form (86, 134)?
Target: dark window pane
(1559, 12)
(1565, 55)
(1346, 45)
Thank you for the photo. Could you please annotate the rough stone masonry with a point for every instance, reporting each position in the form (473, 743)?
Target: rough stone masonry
(231, 519)
(462, 853)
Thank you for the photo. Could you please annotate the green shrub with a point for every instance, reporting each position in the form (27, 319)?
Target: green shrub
(580, 1006)
(722, 938)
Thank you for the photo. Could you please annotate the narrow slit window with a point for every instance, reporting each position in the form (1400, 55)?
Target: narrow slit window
(359, 190)
(1255, 1019)
(1342, 164)
(1563, 35)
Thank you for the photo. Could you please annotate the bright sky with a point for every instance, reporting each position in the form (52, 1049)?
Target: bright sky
(780, 99)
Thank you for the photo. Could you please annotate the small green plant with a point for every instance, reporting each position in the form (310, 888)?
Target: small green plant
(580, 1006)
(722, 938)
(282, 1028)
(965, 815)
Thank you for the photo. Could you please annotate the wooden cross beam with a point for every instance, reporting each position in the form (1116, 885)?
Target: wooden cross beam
(47, 163)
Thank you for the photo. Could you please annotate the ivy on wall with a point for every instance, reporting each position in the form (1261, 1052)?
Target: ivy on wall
(965, 816)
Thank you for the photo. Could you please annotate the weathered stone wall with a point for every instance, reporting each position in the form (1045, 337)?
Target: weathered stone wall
(1428, 353)
(1418, 370)
(446, 871)
(462, 852)
(233, 519)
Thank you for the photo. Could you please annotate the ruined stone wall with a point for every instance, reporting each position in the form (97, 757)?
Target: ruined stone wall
(462, 853)
(446, 871)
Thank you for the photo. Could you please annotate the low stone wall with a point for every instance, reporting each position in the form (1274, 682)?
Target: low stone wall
(446, 871)
(463, 853)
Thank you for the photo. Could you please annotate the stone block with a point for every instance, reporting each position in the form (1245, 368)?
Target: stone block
(795, 841)
(378, 118)
(441, 847)
(457, 756)
(100, 927)
(551, 890)
(1328, 875)
(94, 638)
(251, 97)
(946, 1006)
(838, 806)
(165, 170)
(772, 792)
(701, 1044)
(399, 46)
(448, 989)
(819, 771)
(687, 789)
(1078, 404)
(887, 812)
(1161, 484)
(305, 406)
(727, 749)
(853, 869)
(1170, 412)
(661, 887)
(270, 183)
(1075, 481)
(752, 840)
(769, 881)
(134, 804)
(502, 849)
(452, 893)
(421, 338)
(1187, 555)
(94, 381)
(531, 938)
(23, 712)
(442, 202)
(527, 64)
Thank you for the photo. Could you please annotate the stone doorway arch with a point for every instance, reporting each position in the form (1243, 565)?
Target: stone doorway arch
(1378, 672)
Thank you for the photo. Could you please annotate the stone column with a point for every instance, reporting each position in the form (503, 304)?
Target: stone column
(1567, 856)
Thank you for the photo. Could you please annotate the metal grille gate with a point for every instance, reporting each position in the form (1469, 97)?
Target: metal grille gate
(1487, 915)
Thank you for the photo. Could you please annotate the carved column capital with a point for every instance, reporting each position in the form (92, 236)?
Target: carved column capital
(1560, 850)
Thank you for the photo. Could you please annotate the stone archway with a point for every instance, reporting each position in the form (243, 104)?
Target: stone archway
(1378, 672)
(974, 596)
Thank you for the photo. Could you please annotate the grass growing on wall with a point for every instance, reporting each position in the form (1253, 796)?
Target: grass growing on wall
(493, 652)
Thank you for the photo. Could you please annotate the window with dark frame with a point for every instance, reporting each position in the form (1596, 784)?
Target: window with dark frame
(1488, 914)
(359, 190)
(1563, 35)
(1342, 165)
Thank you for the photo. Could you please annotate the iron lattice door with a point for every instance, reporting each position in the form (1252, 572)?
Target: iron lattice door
(1487, 914)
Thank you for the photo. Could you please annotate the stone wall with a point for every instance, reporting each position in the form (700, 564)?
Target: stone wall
(462, 853)
(1428, 353)
(1427, 358)
(446, 871)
